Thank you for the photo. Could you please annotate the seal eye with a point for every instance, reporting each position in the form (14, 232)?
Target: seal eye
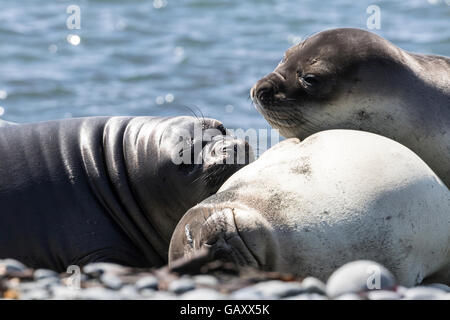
(222, 129)
(310, 80)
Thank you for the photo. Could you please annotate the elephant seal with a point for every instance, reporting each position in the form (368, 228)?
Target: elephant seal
(354, 79)
(307, 208)
(110, 189)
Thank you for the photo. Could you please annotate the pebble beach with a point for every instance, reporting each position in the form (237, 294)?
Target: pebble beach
(108, 281)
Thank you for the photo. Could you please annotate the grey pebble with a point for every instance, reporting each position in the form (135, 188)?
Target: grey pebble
(401, 290)
(313, 285)
(111, 281)
(147, 293)
(279, 289)
(383, 295)
(64, 293)
(248, 293)
(203, 294)
(129, 292)
(147, 282)
(98, 293)
(349, 296)
(206, 280)
(37, 294)
(44, 273)
(356, 276)
(44, 283)
(162, 295)
(308, 296)
(273, 289)
(181, 285)
(96, 269)
(11, 265)
(440, 286)
(424, 293)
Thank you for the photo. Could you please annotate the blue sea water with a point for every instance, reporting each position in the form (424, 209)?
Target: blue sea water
(167, 57)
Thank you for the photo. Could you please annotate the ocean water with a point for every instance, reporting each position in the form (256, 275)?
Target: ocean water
(173, 57)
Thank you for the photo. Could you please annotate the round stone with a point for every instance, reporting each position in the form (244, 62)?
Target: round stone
(272, 289)
(99, 293)
(44, 284)
(96, 269)
(111, 281)
(313, 285)
(44, 273)
(181, 285)
(349, 296)
(129, 292)
(308, 296)
(11, 265)
(38, 294)
(147, 293)
(248, 293)
(440, 286)
(383, 295)
(206, 280)
(147, 282)
(162, 295)
(278, 289)
(424, 293)
(61, 292)
(359, 276)
(203, 294)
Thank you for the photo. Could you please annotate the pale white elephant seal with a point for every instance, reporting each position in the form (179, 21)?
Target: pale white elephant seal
(354, 79)
(309, 207)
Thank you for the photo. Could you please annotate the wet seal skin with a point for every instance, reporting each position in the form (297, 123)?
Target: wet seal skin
(354, 79)
(307, 208)
(110, 189)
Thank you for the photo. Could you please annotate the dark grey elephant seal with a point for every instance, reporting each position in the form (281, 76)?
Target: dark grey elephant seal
(354, 79)
(106, 188)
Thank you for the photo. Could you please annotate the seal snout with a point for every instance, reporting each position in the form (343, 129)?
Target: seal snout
(215, 229)
(229, 233)
(268, 89)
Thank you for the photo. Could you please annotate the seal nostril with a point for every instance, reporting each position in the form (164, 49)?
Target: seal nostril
(265, 92)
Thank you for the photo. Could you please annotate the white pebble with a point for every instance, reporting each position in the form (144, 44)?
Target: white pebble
(308, 296)
(359, 276)
(206, 280)
(147, 282)
(383, 295)
(203, 294)
(313, 285)
(349, 296)
(181, 285)
(278, 289)
(424, 293)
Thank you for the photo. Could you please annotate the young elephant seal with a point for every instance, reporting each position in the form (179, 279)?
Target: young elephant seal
(354, 79)
(308, 207)
(106, 188)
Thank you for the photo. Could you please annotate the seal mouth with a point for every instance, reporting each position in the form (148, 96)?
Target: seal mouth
(213, 228)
